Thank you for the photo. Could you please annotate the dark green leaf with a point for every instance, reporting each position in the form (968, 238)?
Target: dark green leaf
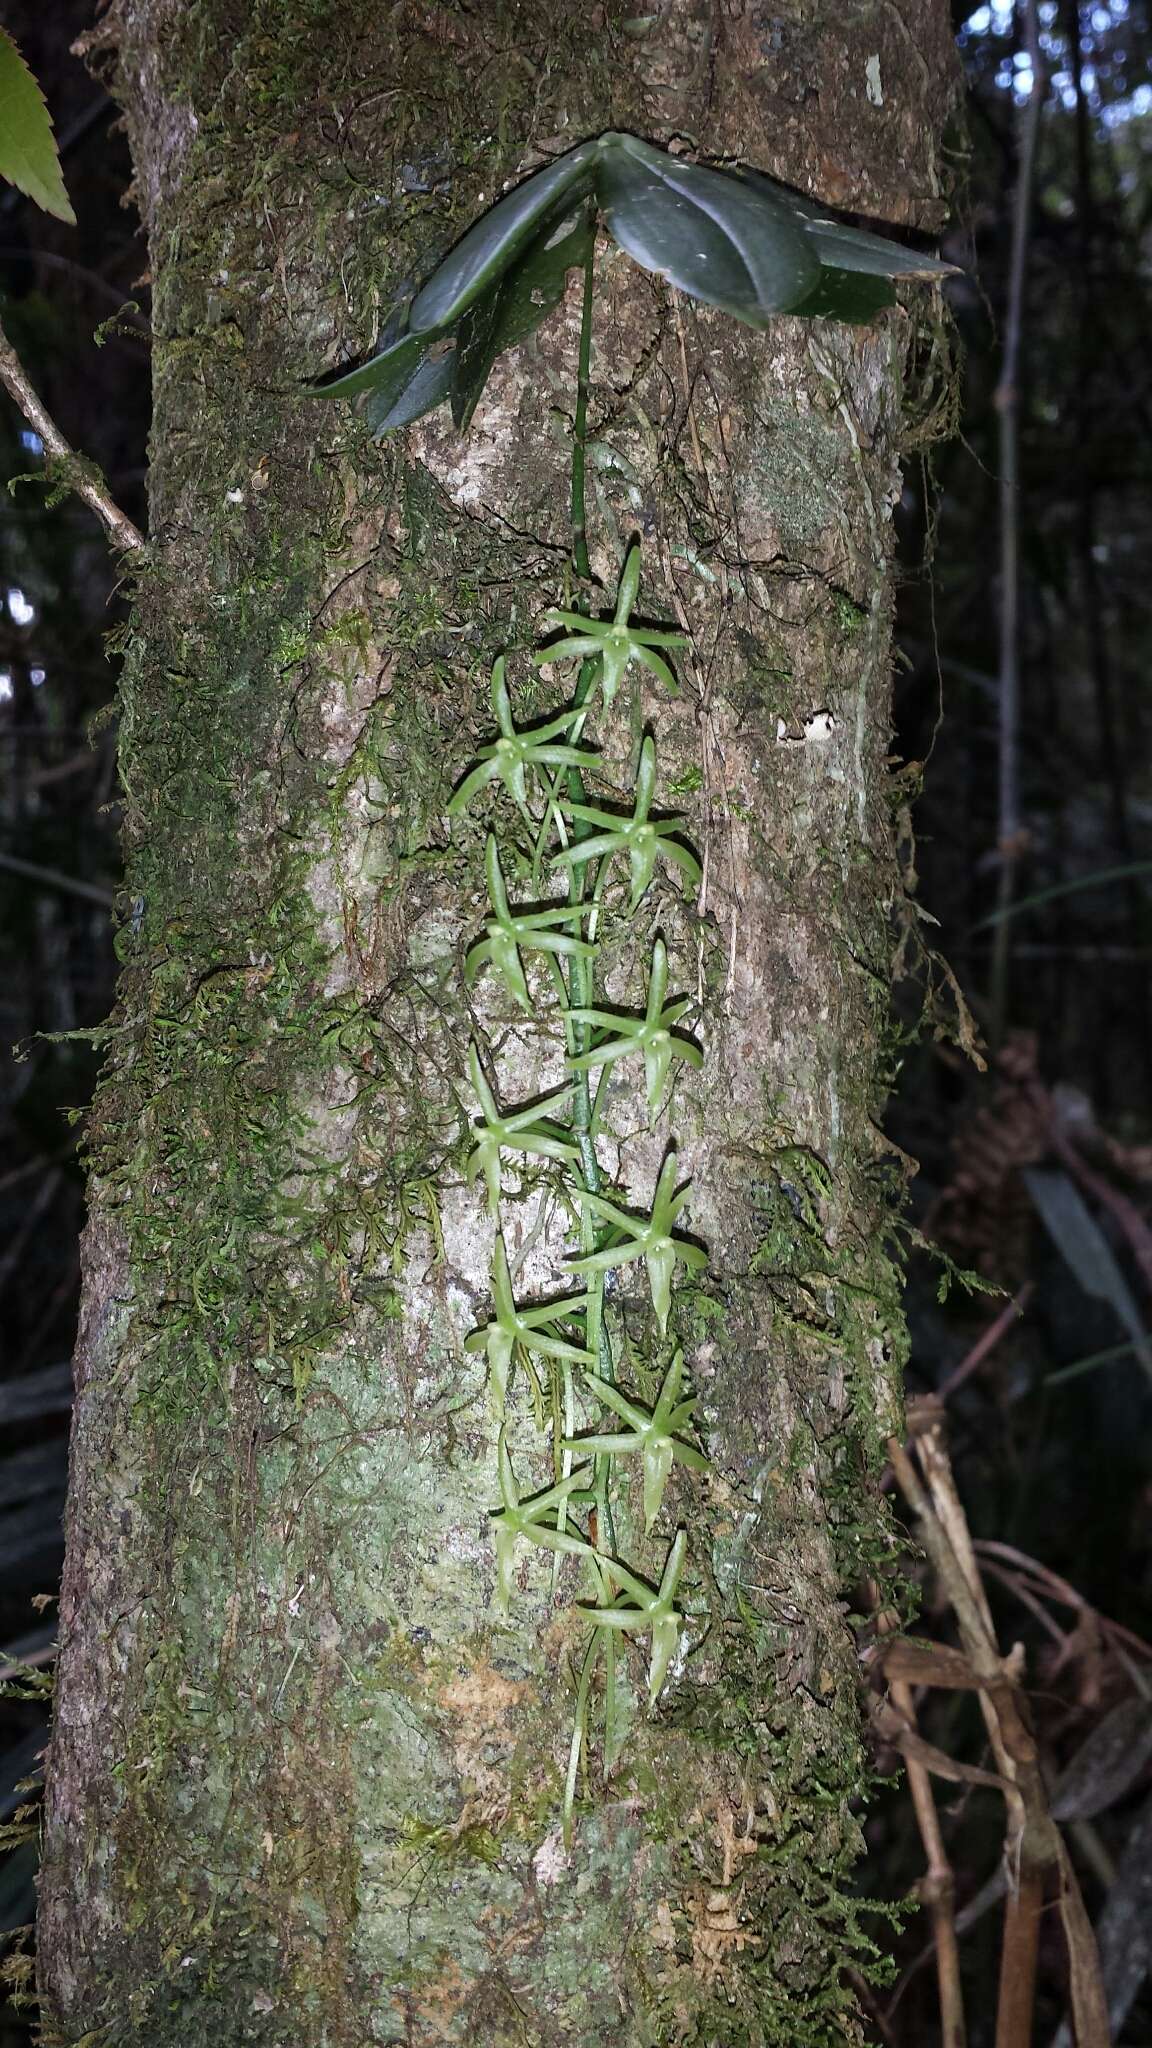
(428, 385)
(388, 370)
(842, 247)
(710, 234)
(500, 236)
(525, 295)
(846, 295)
(29, 158)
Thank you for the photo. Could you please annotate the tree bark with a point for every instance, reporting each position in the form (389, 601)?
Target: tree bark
(305, 1779)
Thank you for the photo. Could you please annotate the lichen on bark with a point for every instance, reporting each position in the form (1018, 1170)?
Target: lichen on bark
(305, 1780)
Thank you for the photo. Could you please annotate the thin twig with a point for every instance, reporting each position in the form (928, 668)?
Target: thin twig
(1055, 1587)
(937, 1886)
(81, 475)
(45, 1655)
(1034, 1853)
(1010, 1313)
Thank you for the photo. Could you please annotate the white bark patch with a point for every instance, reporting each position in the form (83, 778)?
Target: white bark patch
(551, 1860)
(474, 469)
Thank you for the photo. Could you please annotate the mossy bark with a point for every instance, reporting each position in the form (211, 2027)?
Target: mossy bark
(305, 1780)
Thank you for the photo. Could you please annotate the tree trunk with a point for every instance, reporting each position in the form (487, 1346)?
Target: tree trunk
(306, 1779)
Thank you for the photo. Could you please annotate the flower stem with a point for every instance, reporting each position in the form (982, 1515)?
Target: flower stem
(580, 561)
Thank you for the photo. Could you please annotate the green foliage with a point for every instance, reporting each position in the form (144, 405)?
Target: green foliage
(29, 158)
(732, 239)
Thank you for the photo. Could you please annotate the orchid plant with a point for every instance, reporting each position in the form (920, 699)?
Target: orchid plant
(734, 239)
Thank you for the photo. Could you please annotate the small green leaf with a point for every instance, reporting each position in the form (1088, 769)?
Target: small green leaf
(483, 255)
(528, 291)
(709, 234)
(29, 158)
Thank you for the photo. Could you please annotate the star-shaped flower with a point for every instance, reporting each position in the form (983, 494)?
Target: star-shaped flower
(537, 931)
(639, 836)
(654, 1432)
(648, 1237)
(510, 756)
(532, 1519)
(612, 641)
(515, 1130)
(650, 1609)
(534, 1329)
(652, 1034)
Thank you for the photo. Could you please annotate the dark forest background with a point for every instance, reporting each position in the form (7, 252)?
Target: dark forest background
(1031, 863)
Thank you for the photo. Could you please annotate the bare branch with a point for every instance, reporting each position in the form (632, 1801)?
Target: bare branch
(81, 475)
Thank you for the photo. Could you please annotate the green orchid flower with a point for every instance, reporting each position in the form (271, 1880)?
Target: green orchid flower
(647, 1237)
(652, 1034)
(654, 1432)
(533, 1329)
(517, 1130)
(530, 1518)
(638, 836)
(510, 756)
(650, 1610)
(537, 931)
(613, 642)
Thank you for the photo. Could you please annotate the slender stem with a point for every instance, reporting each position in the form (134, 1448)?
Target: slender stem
(580, 561)
(81, 475)
(578, 1733)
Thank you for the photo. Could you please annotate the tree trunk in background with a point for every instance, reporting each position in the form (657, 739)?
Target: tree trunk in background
(305, 1781)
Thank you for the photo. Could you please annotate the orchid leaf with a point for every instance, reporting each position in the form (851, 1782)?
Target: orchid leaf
(500, 236)
(514, 308)
(839, 246)
(735, 239)
(707, 232)
(389, 370)
(409, 399)
(847, 295)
